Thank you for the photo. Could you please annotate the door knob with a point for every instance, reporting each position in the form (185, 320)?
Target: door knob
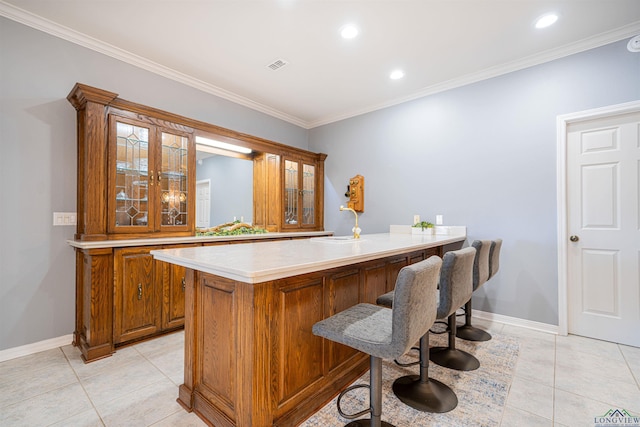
(574, 238)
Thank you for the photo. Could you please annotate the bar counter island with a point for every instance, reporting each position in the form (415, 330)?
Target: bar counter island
(250, 356)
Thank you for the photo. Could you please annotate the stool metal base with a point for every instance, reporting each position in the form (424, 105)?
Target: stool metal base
(471, 333)
(427, 396)
(453, 358)
(366, 422)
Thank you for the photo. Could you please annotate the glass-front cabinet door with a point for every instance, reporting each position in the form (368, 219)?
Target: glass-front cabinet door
(131, 193)
(291, 192)
(148, 178)
(299, 194)
(173, 181)
(308, 194)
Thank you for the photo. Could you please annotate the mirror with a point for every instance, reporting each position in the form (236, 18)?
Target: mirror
(224, 188)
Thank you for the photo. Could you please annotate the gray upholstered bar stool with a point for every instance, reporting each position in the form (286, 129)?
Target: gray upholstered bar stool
(480, 276)
(386, 333)
(485, 267)
(418, 391)
(456, 287)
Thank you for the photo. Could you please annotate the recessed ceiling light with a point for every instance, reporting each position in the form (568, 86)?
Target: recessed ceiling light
(349, 31)
(546, 20)
(396, 74)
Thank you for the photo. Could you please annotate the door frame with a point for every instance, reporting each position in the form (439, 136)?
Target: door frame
(562, 122)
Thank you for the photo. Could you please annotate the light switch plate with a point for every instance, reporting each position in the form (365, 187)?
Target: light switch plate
(65, 218)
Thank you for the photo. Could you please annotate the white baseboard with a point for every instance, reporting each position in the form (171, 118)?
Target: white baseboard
(36, 347)
(508, 320)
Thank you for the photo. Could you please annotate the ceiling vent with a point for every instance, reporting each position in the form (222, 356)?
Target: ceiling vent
(278, 63)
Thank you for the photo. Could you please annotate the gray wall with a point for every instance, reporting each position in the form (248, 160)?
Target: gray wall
(484, 156)
(231, 188)
(38, 165)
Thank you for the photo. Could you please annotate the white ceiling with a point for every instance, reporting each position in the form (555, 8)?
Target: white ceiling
(224, 47)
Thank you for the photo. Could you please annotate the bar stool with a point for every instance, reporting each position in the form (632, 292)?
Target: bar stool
(456, 287)
(386, 333)
(419, 391)
(489, 249)
(480, 276)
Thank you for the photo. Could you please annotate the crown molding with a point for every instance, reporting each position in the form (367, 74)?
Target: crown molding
(65, 33)
(530, 61)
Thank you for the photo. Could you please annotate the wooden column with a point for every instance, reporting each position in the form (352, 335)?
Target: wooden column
(94, 303)
(90, 104)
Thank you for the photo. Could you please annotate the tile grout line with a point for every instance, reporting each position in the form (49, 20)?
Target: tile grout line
(166, 377)
(83, 389)
(626, 361)
(45, 391)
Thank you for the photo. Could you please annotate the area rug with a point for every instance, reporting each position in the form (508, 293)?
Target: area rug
(482, 393)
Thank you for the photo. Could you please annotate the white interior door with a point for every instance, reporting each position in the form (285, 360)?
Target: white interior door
(203, 203)
(603, 222)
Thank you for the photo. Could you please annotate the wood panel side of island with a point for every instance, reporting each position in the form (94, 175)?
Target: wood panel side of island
(251, 358)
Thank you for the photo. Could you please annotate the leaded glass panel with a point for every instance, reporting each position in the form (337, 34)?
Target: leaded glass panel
(308, 194)
(291, 189)
(173, 180)
(132, 175)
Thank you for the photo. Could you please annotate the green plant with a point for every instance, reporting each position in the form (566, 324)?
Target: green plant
(423, 225)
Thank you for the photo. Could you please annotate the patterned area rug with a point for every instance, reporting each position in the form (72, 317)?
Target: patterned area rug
(482, 393)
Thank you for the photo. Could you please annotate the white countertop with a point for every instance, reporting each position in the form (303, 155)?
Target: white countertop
(115, 243)
(264, 261)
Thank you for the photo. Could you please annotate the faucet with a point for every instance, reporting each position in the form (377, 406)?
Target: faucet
(356, 230)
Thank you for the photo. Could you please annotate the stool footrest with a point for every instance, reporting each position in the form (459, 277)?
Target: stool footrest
(366, 422)
(345, 391)
(406, 365)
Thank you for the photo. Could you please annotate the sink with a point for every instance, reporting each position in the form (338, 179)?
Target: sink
(335, 239)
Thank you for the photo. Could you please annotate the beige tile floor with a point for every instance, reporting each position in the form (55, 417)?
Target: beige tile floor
(559, 381)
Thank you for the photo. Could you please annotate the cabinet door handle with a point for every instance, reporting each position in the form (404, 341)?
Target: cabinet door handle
(139, 291)
(184, 284)
(159, 177)
(151, 178)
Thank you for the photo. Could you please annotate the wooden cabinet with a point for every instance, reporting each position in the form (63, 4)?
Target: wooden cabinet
(173, 278)
(136, 172)
(288, 192)
(299, 177)
(266, 193)
(137, 296)
(150, 177)
(148, 294)
(136, 169)
(136, 179)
